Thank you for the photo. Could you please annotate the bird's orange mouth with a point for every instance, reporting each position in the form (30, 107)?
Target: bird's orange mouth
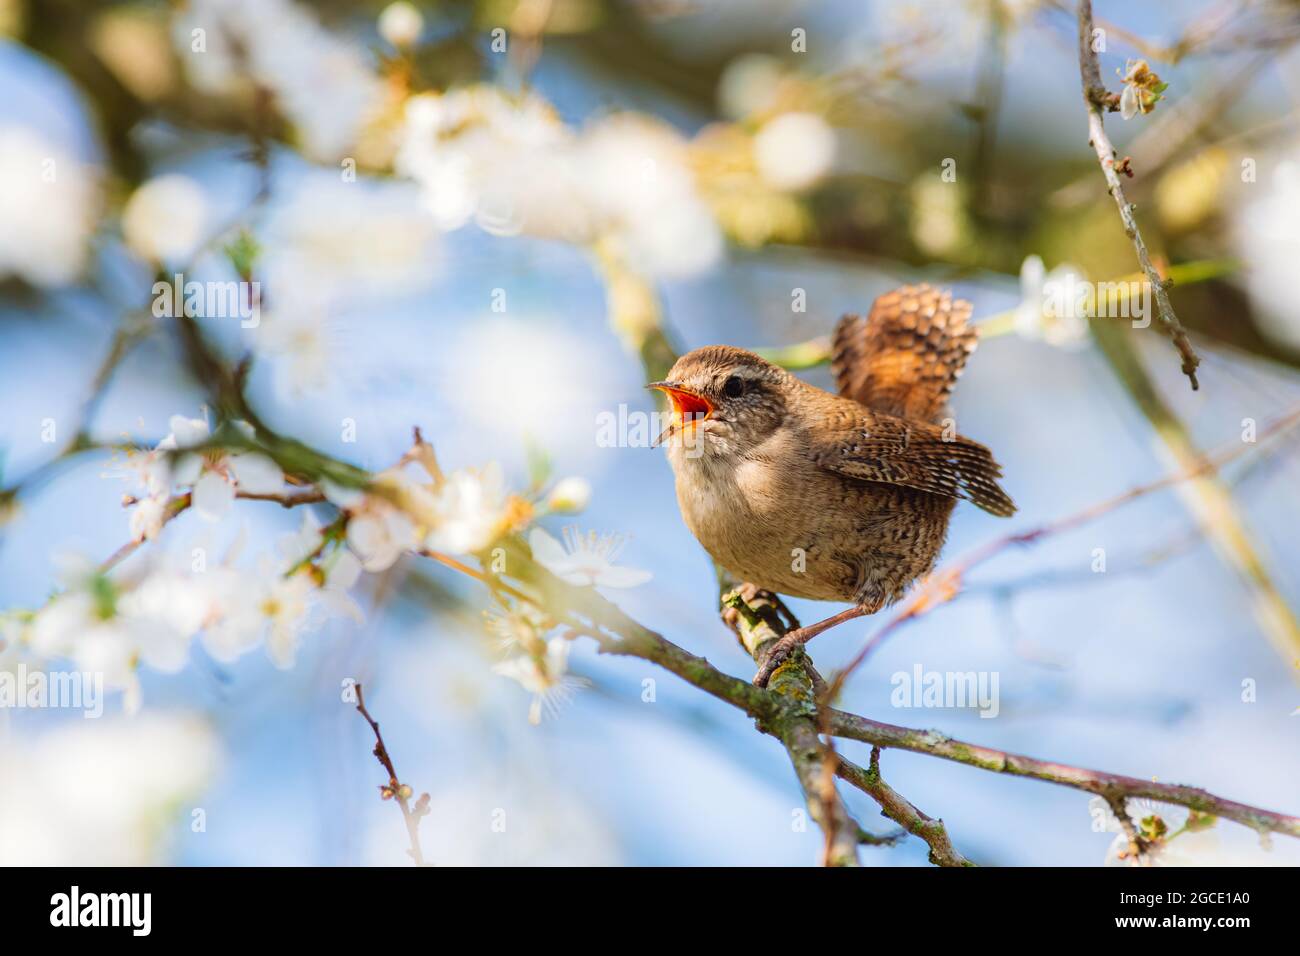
(689, 407)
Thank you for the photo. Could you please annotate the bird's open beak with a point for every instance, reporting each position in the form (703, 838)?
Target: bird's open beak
(689, 407)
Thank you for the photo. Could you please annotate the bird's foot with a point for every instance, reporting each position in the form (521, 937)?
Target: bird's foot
(775, 654)
(779, 651)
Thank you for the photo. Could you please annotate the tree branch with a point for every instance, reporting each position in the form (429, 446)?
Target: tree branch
(1094, 96)
(619, 634)
(180, 503)
(798, 732)
(789, 711)
(899, 809)
(1107, 785)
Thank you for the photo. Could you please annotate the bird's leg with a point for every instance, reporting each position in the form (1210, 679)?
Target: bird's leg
(779, 650)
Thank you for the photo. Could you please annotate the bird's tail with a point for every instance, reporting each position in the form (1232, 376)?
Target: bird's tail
(905, 356)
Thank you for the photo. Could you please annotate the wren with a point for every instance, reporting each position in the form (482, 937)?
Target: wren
(833, 497)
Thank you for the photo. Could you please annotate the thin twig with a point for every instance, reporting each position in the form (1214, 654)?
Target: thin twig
(1118, 804)
(1206, 497)
(394, 789)
(1095, 97)
(180, 503)
(816, 351)
(1208, 24)
(944, 584)
(901, 810)
(1141, 562)
(493, 582)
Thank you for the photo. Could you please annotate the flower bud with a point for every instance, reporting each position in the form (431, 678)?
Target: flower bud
(401, 24)
(569, 495)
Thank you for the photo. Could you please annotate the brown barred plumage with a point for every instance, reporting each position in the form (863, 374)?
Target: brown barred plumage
(835, 497)
(905, 356)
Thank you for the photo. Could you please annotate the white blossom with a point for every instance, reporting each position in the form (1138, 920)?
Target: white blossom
(348, 239)
(236, 626)
(1053, 305)
(378, 531)
(471, 508)
(520, 628)
(284, 605)
(148, 515)
(289, 600)
(467, 146)
(400, 24)
(794, 150)
(569, 495)
(300, 337)
(165, 219)
(1142, 89)
(585, 559)
(749, 85)
(643, 197)
(380, 537)
(1179, 844)
(321, 82)
(216, 476)
(110, 631)
(1130, 102)
(48, 206)
(265, 607)
(331, 246)
(1265, 235)
(512, 166)
(544, 676)
(102, 792)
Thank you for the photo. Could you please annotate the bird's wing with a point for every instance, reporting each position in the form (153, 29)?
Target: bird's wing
(904, 357)
(875, 447)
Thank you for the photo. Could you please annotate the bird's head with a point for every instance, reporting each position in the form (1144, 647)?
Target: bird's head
(723, 401)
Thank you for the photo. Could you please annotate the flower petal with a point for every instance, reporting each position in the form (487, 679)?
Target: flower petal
(340, 495)
(186, 470)
(257, 474)
(187, 432)
(213, 496)
(344, 572)
(1129, 104)
(548, 552)
(617, 577)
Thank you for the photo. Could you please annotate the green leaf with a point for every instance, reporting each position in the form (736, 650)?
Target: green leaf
(539, 465)
(242, 252)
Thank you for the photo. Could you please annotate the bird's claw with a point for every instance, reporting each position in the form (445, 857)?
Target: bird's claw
(773, 657)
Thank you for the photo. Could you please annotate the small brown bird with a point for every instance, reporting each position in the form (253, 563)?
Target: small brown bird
(838, 498)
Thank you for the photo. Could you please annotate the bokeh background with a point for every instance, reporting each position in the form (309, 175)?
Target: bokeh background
(526, 232)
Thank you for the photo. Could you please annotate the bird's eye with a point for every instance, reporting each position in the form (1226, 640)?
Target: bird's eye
(733, 387)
